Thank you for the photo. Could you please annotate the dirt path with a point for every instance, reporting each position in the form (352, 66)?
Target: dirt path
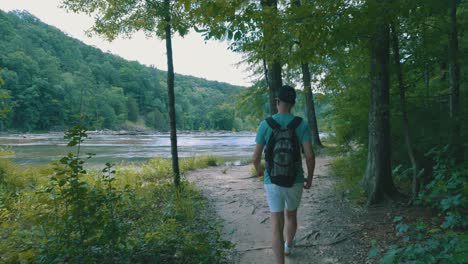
(327, 231)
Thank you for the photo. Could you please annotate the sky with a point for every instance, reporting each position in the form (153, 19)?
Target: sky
(192, 54)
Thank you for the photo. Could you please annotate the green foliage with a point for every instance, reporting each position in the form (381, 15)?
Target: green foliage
(5, 104)
(350, 168)
(117, 17)
(74, 79)
(199, 162)
(442, 239)
(340, 57)
(448, 190)
(84, 222)
(133, 111)
(67, 213)
(253, 103)
(181, 234)
(223, 117)
(5, 168)
(423, 243)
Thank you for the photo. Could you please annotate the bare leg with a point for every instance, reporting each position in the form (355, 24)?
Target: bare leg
(277, 222)
(291, 226)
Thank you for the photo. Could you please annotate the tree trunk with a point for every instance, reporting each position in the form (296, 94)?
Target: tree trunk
(272, 90)
(171, 97)
(311, 116)
(273, 64)
(454, 83)
(378, 182)
(271, 95)
(275, 83)
(404, 114)
(306, 80)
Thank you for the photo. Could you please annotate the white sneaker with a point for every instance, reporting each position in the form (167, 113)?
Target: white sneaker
(288, 249)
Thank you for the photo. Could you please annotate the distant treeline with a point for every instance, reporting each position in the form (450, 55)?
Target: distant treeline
(50, 81)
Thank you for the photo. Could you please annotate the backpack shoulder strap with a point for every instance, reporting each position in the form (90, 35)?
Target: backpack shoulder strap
(272, 123)
(295, 123)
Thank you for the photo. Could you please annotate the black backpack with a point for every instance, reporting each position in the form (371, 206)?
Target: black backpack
(283, 152)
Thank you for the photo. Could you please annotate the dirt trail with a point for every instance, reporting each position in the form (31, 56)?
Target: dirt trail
(327, 230)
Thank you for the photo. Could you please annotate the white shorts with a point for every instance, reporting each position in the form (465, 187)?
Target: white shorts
(279, 198)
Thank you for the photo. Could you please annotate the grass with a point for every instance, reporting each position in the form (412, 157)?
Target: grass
(350, 169)
(134, 215)
(6, 152)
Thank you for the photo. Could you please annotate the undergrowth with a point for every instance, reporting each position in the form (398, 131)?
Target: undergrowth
(442, 236)
(350, 168)
(65, 213)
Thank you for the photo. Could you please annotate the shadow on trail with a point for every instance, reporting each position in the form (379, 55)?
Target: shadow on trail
(328, 229)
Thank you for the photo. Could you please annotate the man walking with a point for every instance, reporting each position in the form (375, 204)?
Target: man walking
(283, 181)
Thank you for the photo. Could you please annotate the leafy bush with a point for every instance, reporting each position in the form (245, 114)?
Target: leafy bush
(442, 239)
(70, 214)
(4, 170)
(423, 243)
(182, 233)
(350, 169)
(448, 191)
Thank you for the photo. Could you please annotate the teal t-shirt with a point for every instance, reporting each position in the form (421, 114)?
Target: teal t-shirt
(264, 132)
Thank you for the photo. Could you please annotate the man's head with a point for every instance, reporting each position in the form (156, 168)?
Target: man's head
(287, 94)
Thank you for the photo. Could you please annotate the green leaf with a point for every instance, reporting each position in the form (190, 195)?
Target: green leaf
(72, 143)
(373, 252)
(390, 255)
(434, 230)
(402, 228)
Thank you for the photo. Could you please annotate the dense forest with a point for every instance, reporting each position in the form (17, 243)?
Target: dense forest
(50, 78)
(393, 86)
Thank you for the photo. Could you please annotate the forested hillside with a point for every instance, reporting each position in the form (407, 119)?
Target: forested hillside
(50, 80)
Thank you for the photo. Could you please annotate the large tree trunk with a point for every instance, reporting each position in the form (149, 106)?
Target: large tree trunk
(306, 80)
(454, 83)
(275, 83)
(311, 116)
(273, 64)
(404, 114)
(378, 182)
(271, 92)
(170, 92)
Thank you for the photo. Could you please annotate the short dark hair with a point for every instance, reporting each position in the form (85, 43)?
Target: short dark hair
(287, 94)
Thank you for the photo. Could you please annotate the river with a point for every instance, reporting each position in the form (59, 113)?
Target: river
(116, 148)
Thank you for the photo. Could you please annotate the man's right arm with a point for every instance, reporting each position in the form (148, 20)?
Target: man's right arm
(310, 161)
(257, 158)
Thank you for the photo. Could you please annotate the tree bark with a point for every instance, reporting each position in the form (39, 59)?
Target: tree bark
(454, 83)
(311, 115)
(275, 83)
(171, 97)
(273, 64)
(378, 182)
(306, 80)
(404, 113)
